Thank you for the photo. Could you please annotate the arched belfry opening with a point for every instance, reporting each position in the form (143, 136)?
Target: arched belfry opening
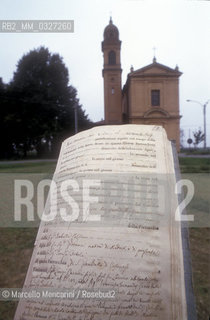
(112, 58)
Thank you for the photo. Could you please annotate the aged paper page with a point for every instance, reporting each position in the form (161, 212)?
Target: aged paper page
(112, 245)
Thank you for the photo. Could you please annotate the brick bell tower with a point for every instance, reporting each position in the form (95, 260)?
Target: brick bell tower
(112, 75)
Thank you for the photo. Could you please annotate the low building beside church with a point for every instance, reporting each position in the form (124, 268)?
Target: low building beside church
(149, 96)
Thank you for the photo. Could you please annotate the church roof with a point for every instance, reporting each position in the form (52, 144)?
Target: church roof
(155, 69)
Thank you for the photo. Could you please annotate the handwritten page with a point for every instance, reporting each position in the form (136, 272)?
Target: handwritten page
(122, 260)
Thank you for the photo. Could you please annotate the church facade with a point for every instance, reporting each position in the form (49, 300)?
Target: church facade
(149, 96)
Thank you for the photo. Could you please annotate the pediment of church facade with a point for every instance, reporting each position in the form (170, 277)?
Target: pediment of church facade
(155, 69)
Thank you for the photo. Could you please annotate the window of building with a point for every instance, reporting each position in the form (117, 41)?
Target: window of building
(155, 98)
(112, 90)
(112, 57)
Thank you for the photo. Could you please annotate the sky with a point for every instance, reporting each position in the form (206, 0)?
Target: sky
(178, 29)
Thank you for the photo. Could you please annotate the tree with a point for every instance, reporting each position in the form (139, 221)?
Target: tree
(198, 136)
(42, 102)
(2, 119)
(6, 142)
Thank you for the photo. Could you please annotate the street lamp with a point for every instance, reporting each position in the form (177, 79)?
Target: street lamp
(204, 116)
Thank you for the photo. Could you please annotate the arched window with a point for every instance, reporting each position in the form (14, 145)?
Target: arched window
(112, 57)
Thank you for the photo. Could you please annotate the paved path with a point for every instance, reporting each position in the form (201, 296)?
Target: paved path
(183, 155)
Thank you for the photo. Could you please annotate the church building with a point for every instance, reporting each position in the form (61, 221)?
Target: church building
(149, 96)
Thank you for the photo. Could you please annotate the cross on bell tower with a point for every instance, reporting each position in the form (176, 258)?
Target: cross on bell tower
(111, 47)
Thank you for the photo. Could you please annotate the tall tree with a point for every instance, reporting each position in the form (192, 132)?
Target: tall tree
(43, 101)
(198, 137)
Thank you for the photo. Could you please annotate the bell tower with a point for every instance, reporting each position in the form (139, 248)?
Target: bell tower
(112, 75)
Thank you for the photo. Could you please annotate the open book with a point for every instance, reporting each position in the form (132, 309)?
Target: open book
(109, 245)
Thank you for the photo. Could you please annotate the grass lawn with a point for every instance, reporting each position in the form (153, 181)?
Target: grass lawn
(16, 244)
(194, 165)
(28, 167)
(198, 171)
